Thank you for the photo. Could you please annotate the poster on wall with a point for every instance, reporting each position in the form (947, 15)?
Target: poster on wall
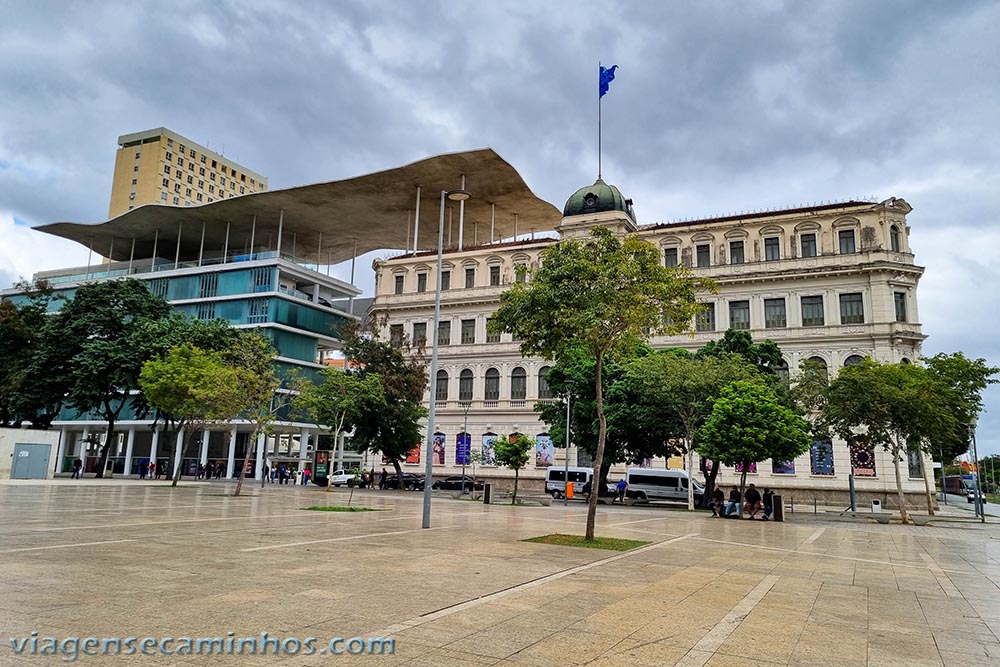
(544, 452)
(463, 449)
(438, 449)
(414, 455)
(821, 457)
(782, 467)
(751, 469)
(862, 459)
(489, 456)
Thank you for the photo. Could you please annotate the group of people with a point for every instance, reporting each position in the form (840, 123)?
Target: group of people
(752, 502)
(284, 474)
(211, 470)
(152, 471)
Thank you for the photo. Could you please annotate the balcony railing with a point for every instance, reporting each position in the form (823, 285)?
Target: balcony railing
(491, 404)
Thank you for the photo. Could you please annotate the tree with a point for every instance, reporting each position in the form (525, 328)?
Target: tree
(679, 388)
(392, 428)
(514, 453)
(191, 388)
(748, 424)
(766, 355)
(24, 396)
(600, 294)
(968, 379)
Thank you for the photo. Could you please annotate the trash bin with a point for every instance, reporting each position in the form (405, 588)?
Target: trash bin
(876, 506)
(487, 493)
(779, 507)
(569, 489)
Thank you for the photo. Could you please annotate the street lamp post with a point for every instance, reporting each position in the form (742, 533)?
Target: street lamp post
(454, 195)
(977, 485)
(465, 438)
(569, 397)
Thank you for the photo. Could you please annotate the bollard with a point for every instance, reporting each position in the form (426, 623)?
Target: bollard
(791, 505)
(814, 505)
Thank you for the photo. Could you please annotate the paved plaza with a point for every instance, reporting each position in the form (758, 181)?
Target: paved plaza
(121, 558)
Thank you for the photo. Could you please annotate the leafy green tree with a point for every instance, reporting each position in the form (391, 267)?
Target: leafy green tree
(24, 396)
(748, 424)
(192, 389)
(968, 379)
(514, 453)
(601, 294)
(766, 355)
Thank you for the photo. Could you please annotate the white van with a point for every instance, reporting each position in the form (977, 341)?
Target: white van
(555, 480)
(649, 484)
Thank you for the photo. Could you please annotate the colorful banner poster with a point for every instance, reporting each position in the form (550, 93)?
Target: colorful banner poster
(463, 449)
(414, 455)
(862, 459)
(751, 470)
(544, 451)
(489, 456)
(438, 445)
(320, 466)
(821, 457)
(782, 467)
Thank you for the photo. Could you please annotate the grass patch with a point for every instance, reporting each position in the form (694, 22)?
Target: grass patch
(611, 543)
(341, 508)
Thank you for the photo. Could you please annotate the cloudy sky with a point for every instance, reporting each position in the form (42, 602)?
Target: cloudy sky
(717, 107)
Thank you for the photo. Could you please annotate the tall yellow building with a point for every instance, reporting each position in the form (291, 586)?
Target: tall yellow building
(162, 167)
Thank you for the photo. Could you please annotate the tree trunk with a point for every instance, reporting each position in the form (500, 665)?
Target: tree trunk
(602, 433)
(106, 449)
(690, 471)
(710, 477)
(903, 514)
(513, 501)
(743, 485)
(243, 470)
(399, 475)
(185, 447)
(927, 483)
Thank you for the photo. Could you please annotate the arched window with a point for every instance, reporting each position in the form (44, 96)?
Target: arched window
(518, 384)
(465, 385)
(853, 360)
(492, 385)
(543, 383)
(894, 242)
(819, 366)
(782, 370)
(441, 386)
(904, 360)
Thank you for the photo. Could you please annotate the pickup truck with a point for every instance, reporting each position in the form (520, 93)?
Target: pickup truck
(340, 477)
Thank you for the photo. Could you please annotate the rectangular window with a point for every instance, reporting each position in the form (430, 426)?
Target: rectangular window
(170, 156)
(396, 334)
(470, 278)
(201, 184)
(158, 287)
(211, 176)
(201, 171)
(187, 192)
(190, 180)
(445, 280)
(739, 314)
(163, 196)
(494, 276)
(198, 196)
(399, 285)
(846, 237)
(177, 187)
(852, 309)
(670, 257)
(421, 282)
(468, 332)
(736, 252)
(521, 273)
(177, 201)
(444, 333)
(135, 168)
(774, 314)
(134, 181)
(180, 162)
(166, 170)
(705, 320)
(262, 278)
(808, 245)
(490, 336)
(183, 148)
(772, 248)
(900, 300)
(206, 311)
(166, 182)
(420, 334)
(704, 255)
(257, 311)
(812, 311)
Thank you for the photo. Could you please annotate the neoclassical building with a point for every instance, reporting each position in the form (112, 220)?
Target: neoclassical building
(831, 283)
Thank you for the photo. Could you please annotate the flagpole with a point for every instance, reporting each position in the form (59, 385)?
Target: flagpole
(599, 132)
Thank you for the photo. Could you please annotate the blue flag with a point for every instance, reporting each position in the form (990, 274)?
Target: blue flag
(607, 76)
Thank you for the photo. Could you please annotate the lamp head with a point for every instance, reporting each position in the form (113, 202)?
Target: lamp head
(458, 195)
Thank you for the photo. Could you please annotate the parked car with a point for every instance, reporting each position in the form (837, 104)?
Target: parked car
(458, 483)
(411, 481)
(341, 477)
(971, 496)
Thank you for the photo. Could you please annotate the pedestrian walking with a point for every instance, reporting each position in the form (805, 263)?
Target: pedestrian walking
(305, 477)
(381, 479)
(620, 487)
(77, 468)
(152, 468)
(143, 469)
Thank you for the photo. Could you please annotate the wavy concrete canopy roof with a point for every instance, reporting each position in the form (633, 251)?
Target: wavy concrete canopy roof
(372, 209)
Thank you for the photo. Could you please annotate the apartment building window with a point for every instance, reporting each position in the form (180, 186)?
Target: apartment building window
(772, 248)
(163, 196)
(852, 309)
(670, 257)
(192, 153)
(232, 186)
(222, 180)
(739, 314)
(166, 170)
(170, 156)
(846, 237)
(398, 284)
(206, 311)
(518, 384)
(242, 190)
(158, 287)
(445, 280)
(444, 333)
(420, 334)
(190, 180)
(491, 337)
(211, 189)
(704, 252)
(262, 278)
(736, 252)
(396, 334)
(468, 332)
(134, 181)
(203, 159)
(257, 310)
(182, 149)
(135, 168)
(494, 276)
(470, 278)
(808, 245)
(177, 187)
(520, 273)
(211, 176)
(170, 142)
(492, 385)
(465, 379)
(215, 164)
(166, 182)
(812, 311)
(201, 184)
(187, 192)
(441, 387)
(705, 320)
(544, 391)
(774, 314)
(137, 155)
(180, 162)
(177, 201)
(422, 282)
(198, 196)
(899, 298)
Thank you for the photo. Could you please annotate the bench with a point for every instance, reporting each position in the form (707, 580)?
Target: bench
(544, 500)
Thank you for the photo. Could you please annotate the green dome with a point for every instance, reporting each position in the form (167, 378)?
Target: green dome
(598, 198)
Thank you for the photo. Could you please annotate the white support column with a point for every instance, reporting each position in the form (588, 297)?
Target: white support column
(201, 247)
(152, 446)
(340, 451)
(281, 225)
(515, 226)
(461, 217)
(205, 435)
(225, 245)
(61, 448)
(416, 222)
(261, 443)
(131, 256)
(83, 444)
(231, 455)
(156, 239)
(178, 452)
(253, 233)
(354, 259)
(129, 446)
(319, 251)
(409, 220)
(177, 253)
(303, 447)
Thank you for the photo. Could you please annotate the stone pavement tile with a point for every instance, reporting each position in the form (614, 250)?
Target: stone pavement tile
(831, 646)
(675, 631)
(568, 647)
(762, 640)
(723, 660)
(502, 640)
(445, 658)
(900, 648)
(966, 660)
(639, 654)
(970, 643)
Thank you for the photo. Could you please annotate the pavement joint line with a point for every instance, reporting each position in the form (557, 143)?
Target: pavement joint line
(943, 580)
(815, 536)
(818, 554)
(65, 546)
(629, 523)
(344, 539)
(160, 523)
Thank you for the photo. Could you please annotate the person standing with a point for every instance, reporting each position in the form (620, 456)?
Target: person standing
(152, 468)
(305, 477)
(142, 469)
(381, 480)
(717, 502)
(768, 504)
(620, 487)
(77, 468)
